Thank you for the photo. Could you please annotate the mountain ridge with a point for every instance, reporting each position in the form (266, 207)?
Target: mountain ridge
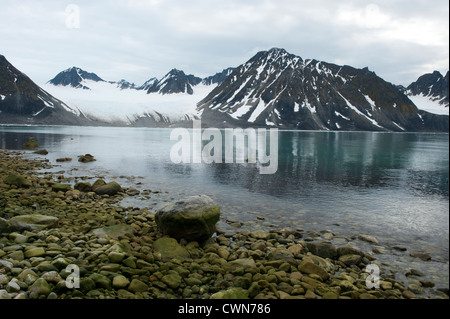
(275, 88)
(24, 102)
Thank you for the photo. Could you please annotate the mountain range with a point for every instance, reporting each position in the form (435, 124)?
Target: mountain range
(272, 89)
(276, 88)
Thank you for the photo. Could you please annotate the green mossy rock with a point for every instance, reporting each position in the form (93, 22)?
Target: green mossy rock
(61, 187)
(310, 268)
(101, 281)
(33, 222)
(137, 286)
(83, 187)
(169, 249)
(86, 158)
(172, 280)
(350, 259)
(231, 293)
(110, 189)
(17, 180)
(97, 184)
(114, 231)
(41, 152)
(193, 218)
(322, 249)
(4, 226)
(39, 287)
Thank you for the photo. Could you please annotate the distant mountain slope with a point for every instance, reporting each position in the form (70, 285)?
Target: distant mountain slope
(218, 77)
(176, 81)
(22, 101)
(276, 88)
(148, 84)
(74, 77)
(430, 92)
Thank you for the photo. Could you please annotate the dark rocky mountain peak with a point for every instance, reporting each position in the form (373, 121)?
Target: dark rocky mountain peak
(74, 77)
(176, 81)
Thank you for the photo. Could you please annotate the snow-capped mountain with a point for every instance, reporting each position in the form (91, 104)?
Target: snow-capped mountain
(272, 89)
(279, 89)
(173, 99)
(148, 84)
(75, 77)
(430, 92)
(22, 101)
(176, 81)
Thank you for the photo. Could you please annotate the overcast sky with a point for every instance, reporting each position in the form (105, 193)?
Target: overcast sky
(138, 39)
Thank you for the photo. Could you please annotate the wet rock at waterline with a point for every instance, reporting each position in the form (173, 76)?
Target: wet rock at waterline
(322, 249)
(368, 238)
(41, 152)
(86, 158)
(110, 189)
(193, 218)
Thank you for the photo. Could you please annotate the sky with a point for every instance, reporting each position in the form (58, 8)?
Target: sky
(139, 39)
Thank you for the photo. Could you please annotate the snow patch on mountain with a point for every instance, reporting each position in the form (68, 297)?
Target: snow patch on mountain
(425, 103)
(105, 102)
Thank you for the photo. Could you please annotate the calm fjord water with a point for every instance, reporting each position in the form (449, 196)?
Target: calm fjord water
(390, 185)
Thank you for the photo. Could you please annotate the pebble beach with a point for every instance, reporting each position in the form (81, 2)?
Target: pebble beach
(46, 226)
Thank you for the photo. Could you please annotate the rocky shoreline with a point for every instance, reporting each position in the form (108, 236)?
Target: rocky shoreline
(46, 227)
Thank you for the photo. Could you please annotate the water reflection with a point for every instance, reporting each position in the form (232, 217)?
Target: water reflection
(345, 159)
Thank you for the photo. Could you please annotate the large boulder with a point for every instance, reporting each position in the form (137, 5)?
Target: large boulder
(193, 218)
